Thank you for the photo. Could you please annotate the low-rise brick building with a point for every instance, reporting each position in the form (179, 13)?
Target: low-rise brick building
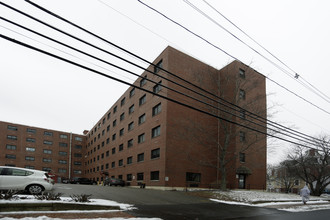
(144, 138)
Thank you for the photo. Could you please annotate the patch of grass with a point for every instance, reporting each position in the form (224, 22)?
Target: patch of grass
(49, 196)
(8, 194)
(81, 198)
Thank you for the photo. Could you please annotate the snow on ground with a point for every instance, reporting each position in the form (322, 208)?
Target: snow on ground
(281, 201)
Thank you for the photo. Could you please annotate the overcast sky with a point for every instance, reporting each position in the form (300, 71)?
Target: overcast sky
(41, 91)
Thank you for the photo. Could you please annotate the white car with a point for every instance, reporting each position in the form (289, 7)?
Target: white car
(33, 181)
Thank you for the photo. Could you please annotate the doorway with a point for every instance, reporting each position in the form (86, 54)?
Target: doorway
(241, 181)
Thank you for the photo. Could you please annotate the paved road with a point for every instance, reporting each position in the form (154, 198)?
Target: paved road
(170, 205)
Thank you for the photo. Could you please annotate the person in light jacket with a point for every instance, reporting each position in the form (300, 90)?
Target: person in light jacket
(304, 193)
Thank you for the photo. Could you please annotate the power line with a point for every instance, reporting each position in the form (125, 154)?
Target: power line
(239, 108)
(208, 42)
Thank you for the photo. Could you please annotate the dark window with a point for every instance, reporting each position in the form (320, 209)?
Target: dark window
(107, 153)
(242, 73)
(131, 109)
(242, 94)
(132, 92)
(63, 144)
(107, 166)
(103, 121)
(108, 128)
(109, 115)
(143, 99)
(113, 150)
(108, 140)
(129, 177)
(78, 163)
(78, 146)
(122, 102)
(48, 142)
(29, 158)
(121, 132)
(155, 132)
(142, 118)
(62, 153)
(154, 175)
(193, 177)
(242, 136)
(48, 133)
(242, 114)
(115, 109)
(157, 87)
(78, 138)
(241, 157)
(46, 151)
(63, 136)
(77, 155)
(140, 157)
(10, 147)
(141, 138)
(155, 153)
(120, 162)
(31, 130)
(156, 109)
(140, 176)
(114, 123)
(114, 137)
(11, 127)
(10, 156)
(158, 66)
(131, 126)
(32, 140)
(47, 160)
(11, 137)
(143, 81)
(121, 147)
(62, 162)
(113, 164)
(130, 143)
(129, 160)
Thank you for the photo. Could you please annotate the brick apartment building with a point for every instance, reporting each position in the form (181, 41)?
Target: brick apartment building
(149, 139)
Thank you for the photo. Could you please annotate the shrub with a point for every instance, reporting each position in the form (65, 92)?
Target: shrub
(49, 196)
(81, 198)
(8, 194)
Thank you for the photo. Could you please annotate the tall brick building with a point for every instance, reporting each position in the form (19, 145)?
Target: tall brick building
(149, 139)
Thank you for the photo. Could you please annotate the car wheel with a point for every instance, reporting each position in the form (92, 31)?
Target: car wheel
(35, 189)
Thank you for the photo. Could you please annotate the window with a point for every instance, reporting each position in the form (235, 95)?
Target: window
(48, 142)
(78, 147)
(130, 143)
(31, 140)
(108, 140)
(121, 162)
(29, 167)
(103, 132)
(29, 158)
(129, 160)
(62, 153)
(113, 164)
(157, 87)
(107, 153)
(47, 169)
(78, 138)
(155, 153)
(10, 156)
(131, 126)
(114, 123)
(132, 92)
(77, 163)
(142, 118)
(113, 150)
(107, 166)
(140, 157)
(131, 109)
(242, 114)
(242, 136)
(46, 151)
(11, 127)
(47, 160)
(129, 177)
(155, 132)
(10, 147)
(77, 155)
(63, 136)
(114, 137)
(242, 157)
(140, 176)
(11, 137)
(115, 109)
(122, 102)
(121, 147)
(121, 132)
(241, 73)
(30, 149)
(61, 170)
(77, 171)
(108, 128)
(143, 81)
(242, 94)
(193, 177)
(31, 130)
(141, 138)
(158, 66)
(154, 175)
(48, 133)
(62, 162)
(143, 99)
(63, 144)
(157, 109)
(109, 115)
(103, 121)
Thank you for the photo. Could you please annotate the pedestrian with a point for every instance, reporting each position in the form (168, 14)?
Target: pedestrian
(304, 193)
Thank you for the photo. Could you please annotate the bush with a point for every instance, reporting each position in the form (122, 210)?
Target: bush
(8, 194)
(81, 198)
(49, 196)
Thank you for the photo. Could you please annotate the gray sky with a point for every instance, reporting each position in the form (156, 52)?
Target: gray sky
(40, 91)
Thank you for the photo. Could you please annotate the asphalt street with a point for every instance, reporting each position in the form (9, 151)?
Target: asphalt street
(177, 205)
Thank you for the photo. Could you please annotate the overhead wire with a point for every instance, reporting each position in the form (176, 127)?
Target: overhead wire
(228, 54)
(98, 37)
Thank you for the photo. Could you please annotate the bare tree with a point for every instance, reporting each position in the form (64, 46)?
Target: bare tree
(312, 164)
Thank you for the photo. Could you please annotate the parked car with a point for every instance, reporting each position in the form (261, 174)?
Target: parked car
(114, 182)
(22, 179)
(65, 180)
(81, 180)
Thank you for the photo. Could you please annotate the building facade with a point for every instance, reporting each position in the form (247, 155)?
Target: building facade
(155, 139)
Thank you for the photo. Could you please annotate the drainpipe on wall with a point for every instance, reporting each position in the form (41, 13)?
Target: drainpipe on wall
(70, 156)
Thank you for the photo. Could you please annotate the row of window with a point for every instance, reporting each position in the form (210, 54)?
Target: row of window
(46, 142)
(13, 156)
(33, 149)
(47, 169)
(155, 153)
